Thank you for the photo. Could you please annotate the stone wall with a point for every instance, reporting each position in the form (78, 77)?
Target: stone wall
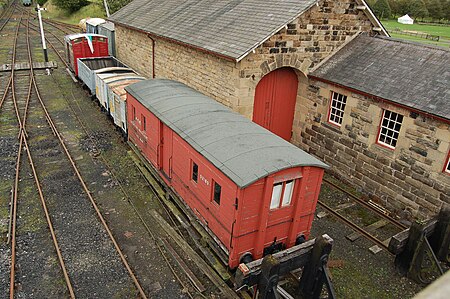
(302, 44)
(134, 48)
(211, 75)
(408, 180)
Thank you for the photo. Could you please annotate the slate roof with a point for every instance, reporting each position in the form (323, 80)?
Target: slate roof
(242, 150)
(229, 28)
(407, 73)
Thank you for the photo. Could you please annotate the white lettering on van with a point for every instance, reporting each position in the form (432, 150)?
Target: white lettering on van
(204, 180)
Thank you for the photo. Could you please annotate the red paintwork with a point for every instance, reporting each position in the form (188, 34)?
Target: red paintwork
(79, 48)
(274, 103)
(252, 226)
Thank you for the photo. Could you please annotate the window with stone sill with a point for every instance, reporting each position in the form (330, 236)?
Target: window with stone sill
(390, 129)
(337, 107)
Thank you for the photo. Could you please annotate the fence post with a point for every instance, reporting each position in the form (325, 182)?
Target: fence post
(313, 277)
(267, 286)
(404, 259)
(440, 240)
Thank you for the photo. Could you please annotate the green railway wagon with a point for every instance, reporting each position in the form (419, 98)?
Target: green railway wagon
(27, 2)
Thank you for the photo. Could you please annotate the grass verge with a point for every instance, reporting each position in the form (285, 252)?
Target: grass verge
(94, 10)
(442, 31)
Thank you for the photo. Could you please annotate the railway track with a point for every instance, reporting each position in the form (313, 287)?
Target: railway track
(367, 230)
(6, 15)
(57, 44)
(42, 119)
(361, 230)
(35, 127)
(162, 244)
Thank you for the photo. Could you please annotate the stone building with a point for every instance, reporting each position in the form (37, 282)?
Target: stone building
(379, 112)
(257, 57)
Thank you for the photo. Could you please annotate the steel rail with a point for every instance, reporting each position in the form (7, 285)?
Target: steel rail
(147, 228)
(49, 221)
(57, 134)
(13, 209)
(64, 24)
(10, 11)
(47, 31)
(57, 27)
(109, 167)
(88, 193)
(14, 222)
(365, 204)
(353, 226)
(36, 177)
(5, 94)
(16, 107)
(57, 24)
(53, 47)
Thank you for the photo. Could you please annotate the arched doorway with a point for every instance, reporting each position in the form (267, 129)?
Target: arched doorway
(274, 103)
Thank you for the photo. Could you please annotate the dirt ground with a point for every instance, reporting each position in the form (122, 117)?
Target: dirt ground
(360, 273)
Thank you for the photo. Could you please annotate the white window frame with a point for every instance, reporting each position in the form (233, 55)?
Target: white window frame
(447, 165)
(282, 193)
(388, 133)
(337, 108)
(277, 192)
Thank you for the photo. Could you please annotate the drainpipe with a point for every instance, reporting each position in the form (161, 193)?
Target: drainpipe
(153, 56)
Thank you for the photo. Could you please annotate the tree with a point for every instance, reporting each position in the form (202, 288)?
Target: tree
(71, 5)
(394, 5)
(418, 9)
(382, 9)
(115, 5)
(445, 4)
(435, 9)
(403, 7)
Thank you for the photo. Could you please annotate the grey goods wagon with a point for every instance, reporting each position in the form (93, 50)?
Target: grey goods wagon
(107, 29)
(89, 67)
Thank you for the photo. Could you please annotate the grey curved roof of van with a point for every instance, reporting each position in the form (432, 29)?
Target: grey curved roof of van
(244, 151)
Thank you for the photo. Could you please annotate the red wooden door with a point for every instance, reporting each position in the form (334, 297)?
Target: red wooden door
(166, 151)
(274, 103)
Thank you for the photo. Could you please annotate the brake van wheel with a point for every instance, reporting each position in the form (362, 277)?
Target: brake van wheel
(300, 240)
(246, 258)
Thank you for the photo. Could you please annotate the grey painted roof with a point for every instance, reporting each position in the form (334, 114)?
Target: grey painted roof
(108, 25)
(229, 28)
(242, 150)
(410, 74)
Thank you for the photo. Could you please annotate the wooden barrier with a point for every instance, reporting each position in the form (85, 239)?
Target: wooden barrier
(420, 249)
(265, 272)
